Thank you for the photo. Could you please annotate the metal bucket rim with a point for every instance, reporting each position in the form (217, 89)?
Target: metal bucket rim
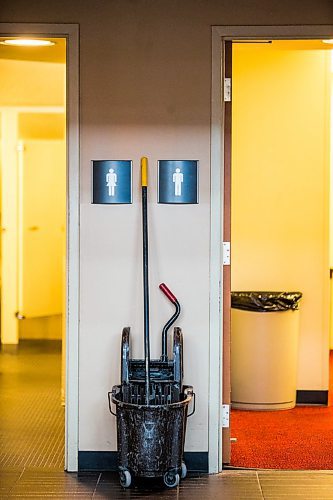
(178, 404)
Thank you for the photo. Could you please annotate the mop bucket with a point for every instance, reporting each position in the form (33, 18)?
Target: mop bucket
(151, 438)
(151, 402)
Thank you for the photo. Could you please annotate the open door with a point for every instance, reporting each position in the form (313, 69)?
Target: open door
(226, 272)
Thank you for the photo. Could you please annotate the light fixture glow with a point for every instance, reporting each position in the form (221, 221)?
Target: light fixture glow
(329, 40)
(27, 42)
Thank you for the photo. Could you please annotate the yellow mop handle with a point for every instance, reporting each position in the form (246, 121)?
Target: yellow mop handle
(144, 171)
(144, 189)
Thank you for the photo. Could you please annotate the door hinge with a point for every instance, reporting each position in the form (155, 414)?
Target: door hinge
(226, 253)
(18, 315)
(225, 416)
(227, 90)
(20, 147)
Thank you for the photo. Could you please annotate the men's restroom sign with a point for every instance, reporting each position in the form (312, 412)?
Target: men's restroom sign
(178, 181)
(112, 181)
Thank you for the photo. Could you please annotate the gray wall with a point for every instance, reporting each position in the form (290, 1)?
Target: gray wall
(145, 70)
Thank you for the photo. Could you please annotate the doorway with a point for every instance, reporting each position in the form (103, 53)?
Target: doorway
(279, 221)
(220, 393)
(33, 249)
(69, 34)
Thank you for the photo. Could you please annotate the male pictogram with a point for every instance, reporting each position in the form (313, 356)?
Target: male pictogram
(178, 179)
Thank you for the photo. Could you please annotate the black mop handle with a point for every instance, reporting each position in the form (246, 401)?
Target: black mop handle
(168, 293)
(144, 184)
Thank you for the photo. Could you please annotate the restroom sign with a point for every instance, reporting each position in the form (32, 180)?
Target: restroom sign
(178, 181)
(112, 181)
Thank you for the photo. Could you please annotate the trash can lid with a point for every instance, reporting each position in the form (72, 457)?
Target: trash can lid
(265, 301)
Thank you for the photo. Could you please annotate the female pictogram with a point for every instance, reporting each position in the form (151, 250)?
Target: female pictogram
(111, 181)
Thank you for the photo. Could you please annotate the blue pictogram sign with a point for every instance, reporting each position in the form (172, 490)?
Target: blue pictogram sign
(178, 181)
(112, 181)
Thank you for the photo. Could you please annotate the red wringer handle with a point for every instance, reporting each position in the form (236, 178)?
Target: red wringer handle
(168, 293)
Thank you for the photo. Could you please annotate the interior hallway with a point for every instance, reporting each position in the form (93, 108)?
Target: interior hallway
(32, 447)
(31, 415)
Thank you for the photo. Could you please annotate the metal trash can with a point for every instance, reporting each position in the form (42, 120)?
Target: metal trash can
(264, 349)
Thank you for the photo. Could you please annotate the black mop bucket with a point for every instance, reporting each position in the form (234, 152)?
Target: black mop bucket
(151, 438)
(151, 402)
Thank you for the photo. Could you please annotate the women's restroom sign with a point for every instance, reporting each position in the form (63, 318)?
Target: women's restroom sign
(112, 181)
(178, 181)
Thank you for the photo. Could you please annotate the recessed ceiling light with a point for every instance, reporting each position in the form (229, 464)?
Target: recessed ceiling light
(27, 42)
(328, 41)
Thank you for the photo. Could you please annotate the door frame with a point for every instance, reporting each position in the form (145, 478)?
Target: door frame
(71, 33)
(217, 371)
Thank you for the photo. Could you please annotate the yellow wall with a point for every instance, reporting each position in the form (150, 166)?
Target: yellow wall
(42, 232)
(47, 328)
(41, 276)
(37, 84)
(29, 83)
(331, 203)
(280, 186)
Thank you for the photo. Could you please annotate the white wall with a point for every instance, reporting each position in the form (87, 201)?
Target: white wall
(145, 72)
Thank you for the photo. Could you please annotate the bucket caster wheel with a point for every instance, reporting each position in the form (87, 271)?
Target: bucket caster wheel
(125, 478)
(183, 471)
(171, 479)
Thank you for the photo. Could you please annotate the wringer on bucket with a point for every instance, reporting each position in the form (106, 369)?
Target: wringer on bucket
(151, 401)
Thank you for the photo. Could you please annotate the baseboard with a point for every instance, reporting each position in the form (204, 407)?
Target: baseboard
(9, 348)
(312, 397)
(98, 461)
(196, 461)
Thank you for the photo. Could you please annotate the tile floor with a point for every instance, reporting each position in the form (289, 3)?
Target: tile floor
(31, 415)
(230, 485)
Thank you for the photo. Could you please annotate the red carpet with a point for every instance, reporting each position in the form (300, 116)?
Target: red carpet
(301, 438)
